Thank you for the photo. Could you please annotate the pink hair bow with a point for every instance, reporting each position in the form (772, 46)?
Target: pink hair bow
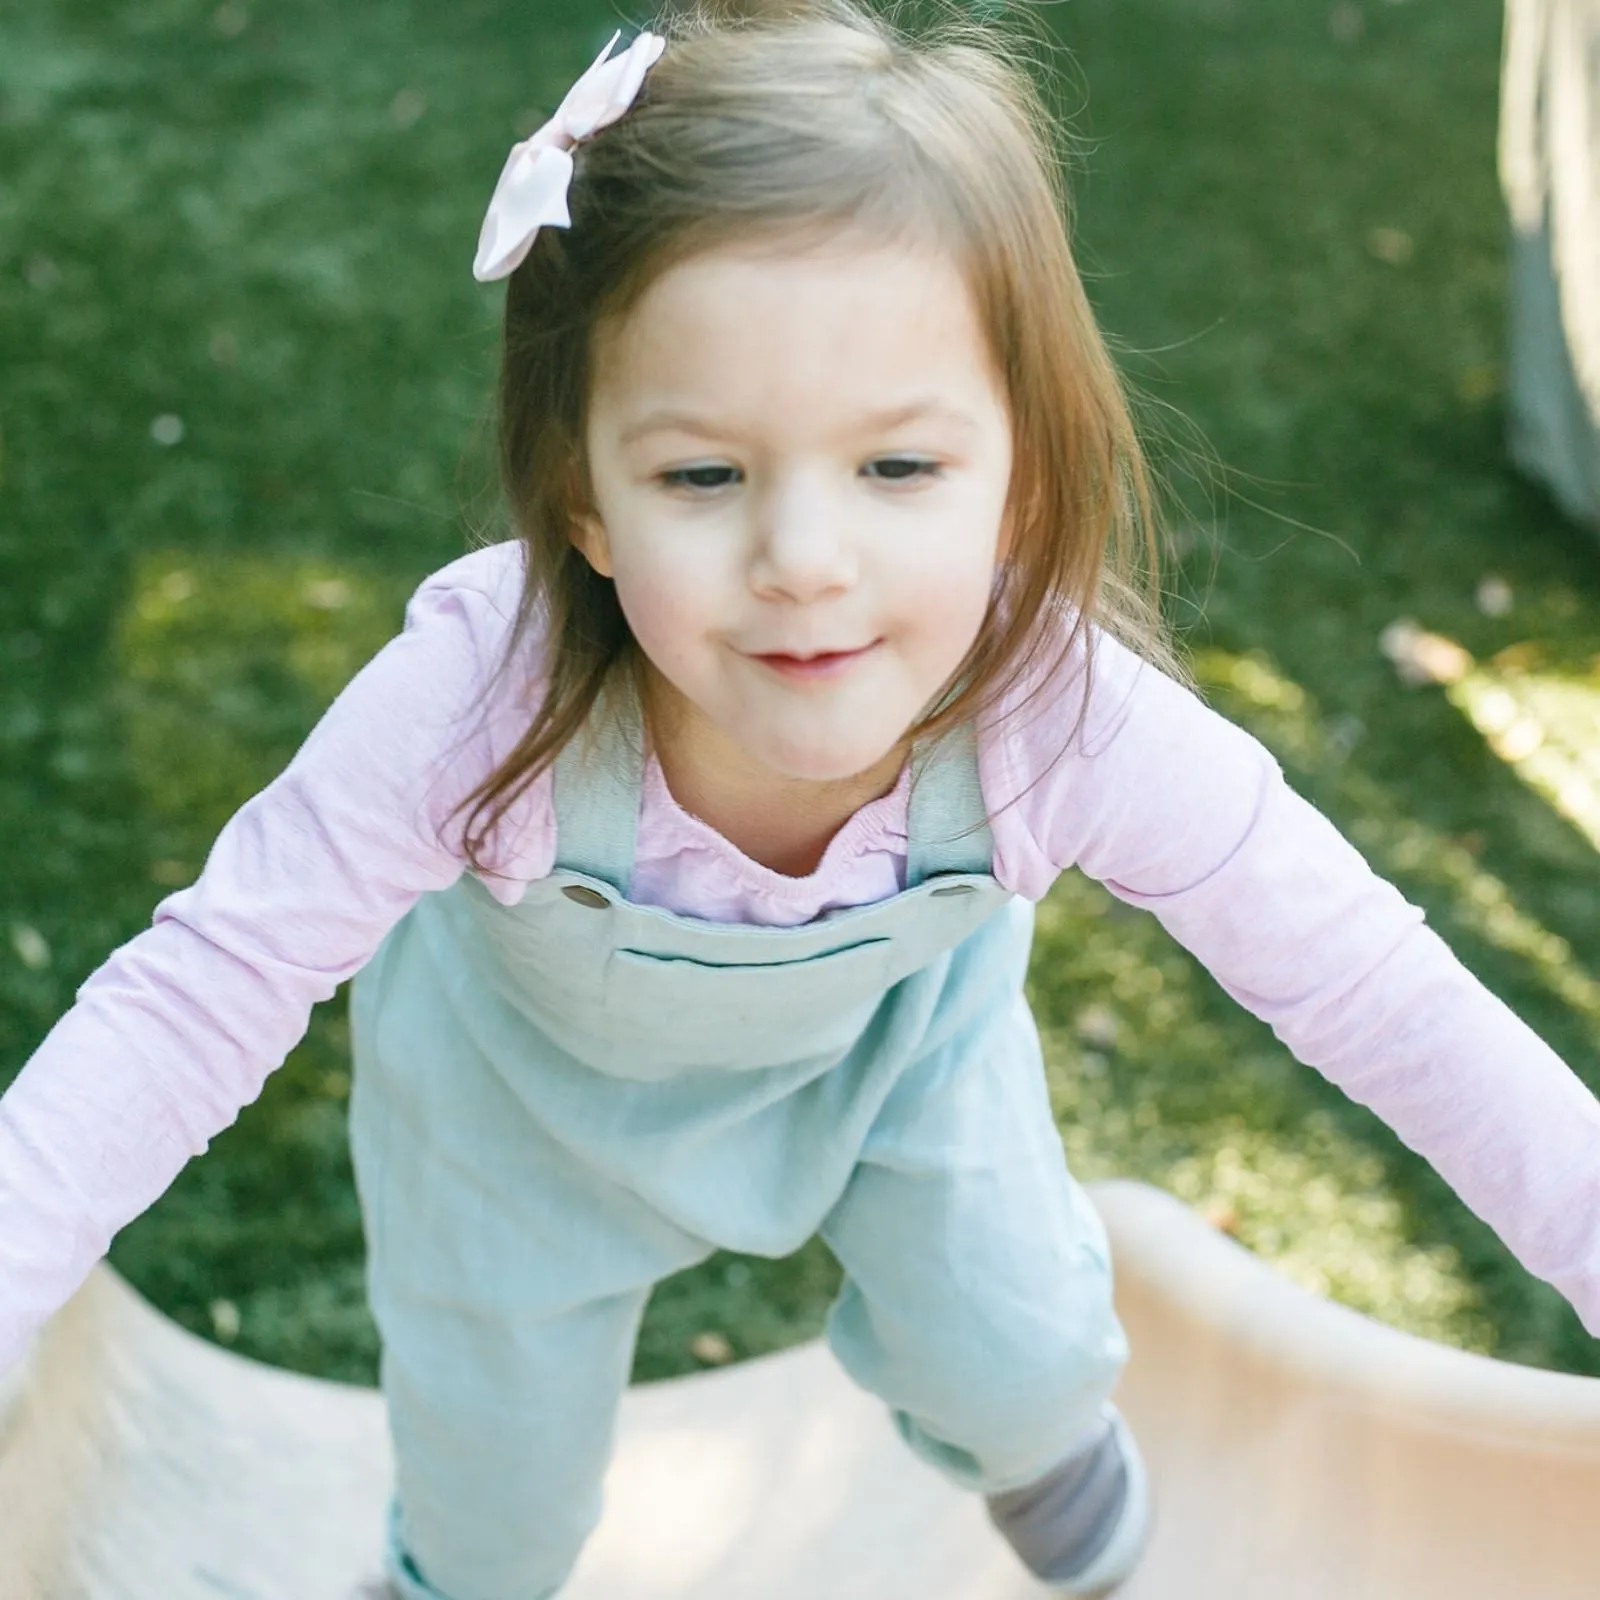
(532, 191)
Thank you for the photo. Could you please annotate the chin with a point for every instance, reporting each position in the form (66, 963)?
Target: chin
(830, 765)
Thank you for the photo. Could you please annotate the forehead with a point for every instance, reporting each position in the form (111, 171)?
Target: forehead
(832, 325)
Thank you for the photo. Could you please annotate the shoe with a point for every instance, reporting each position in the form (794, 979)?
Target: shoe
(1105, 1480)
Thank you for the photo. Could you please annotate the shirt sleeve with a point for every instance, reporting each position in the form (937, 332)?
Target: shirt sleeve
(180, 1027)
(1178, 811)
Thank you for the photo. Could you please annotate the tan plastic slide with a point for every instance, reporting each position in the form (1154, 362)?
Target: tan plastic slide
(1298, 1452)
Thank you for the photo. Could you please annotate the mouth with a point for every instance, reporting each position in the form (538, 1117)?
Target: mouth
(814, 664)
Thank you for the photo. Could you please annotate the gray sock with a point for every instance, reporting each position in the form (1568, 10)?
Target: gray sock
(1062, 1521)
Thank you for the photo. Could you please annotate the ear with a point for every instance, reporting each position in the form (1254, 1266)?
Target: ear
(589, 537)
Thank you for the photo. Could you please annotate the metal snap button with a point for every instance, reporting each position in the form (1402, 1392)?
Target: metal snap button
(585, 896)
(954, 888)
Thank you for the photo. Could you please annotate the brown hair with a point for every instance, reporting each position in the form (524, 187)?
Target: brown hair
(770, 117)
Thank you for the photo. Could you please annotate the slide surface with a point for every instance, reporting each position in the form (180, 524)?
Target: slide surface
(1298, 1452)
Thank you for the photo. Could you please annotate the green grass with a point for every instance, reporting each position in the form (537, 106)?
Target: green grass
(262, 224)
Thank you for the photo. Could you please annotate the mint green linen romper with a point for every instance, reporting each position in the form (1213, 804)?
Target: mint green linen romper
(558, 1103)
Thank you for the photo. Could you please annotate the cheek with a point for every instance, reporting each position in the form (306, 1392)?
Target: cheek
(668, 600)
(944, 591)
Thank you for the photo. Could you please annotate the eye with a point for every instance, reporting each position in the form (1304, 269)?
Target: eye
(701, 479)
(904, 469)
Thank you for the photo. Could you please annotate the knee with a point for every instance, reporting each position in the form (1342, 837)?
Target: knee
(996, 1366)
(1031, 1372)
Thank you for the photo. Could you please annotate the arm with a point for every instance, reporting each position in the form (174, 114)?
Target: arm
(180, 1027)
(1179, 812)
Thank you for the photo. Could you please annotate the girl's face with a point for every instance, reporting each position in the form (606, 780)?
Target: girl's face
(798, 455)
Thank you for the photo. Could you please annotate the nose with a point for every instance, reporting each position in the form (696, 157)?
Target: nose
(802, 548)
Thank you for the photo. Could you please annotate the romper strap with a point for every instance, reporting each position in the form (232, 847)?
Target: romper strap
(596, 792)
(948, 828)
(597, 779)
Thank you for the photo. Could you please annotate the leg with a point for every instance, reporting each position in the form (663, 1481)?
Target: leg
(508, 1327)
(507, 1280)
(977, 1303)
(977, 1295)
(502, 1435)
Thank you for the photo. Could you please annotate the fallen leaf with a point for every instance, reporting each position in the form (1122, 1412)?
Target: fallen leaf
(42, 272)
(32, 950)
(1346, 24)
(1494, 596)
(225, 1320)
(408, 107)
(1393, 245)
(711, 1348)
(1421, 657)
(1097, 1025)
(231, 18)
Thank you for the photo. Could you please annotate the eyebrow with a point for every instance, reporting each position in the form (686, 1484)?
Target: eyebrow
(666, 419)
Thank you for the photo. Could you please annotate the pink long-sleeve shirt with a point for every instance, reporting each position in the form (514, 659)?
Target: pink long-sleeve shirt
(1167, 803)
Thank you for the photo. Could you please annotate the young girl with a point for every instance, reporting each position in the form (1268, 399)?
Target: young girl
(684, 849)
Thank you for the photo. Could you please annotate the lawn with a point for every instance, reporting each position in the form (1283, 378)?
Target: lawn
(244, 386)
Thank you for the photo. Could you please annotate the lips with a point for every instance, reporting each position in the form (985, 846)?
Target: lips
(813, 664)
(808, 655)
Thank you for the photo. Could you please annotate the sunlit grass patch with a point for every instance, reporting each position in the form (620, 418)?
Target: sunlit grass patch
(1544, 723)
(1251, 689)
(1318, 1209)
(223, 660)
(1155, 1074)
